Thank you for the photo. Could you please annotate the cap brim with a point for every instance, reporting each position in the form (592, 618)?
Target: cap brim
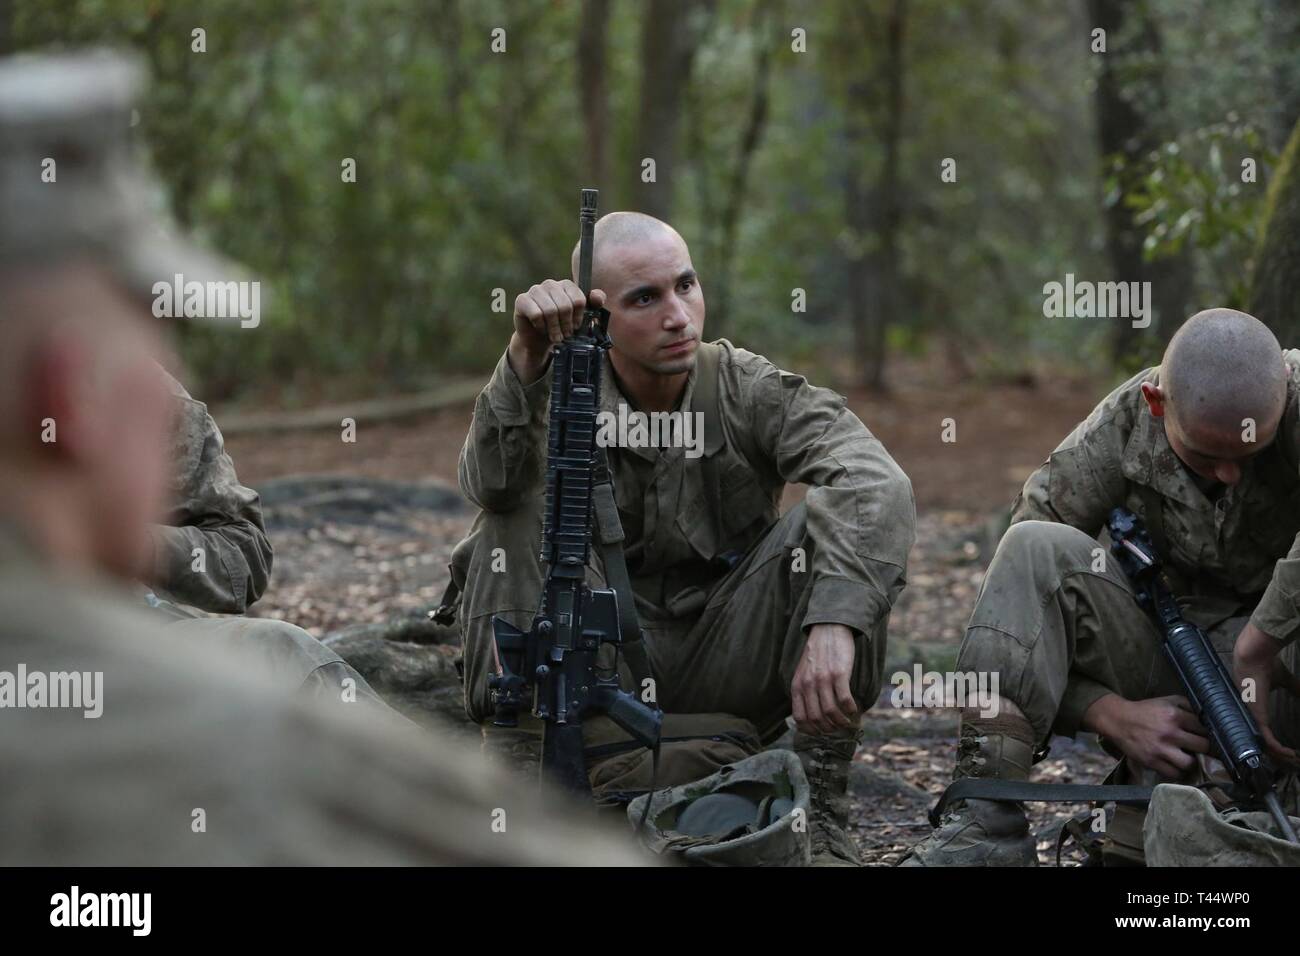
(157, 264)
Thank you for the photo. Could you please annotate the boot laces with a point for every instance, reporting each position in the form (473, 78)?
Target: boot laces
(970, 759)
(822, 771)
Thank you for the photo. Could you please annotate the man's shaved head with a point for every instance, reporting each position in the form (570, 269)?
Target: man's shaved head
(1221, 368)
(1222, 391)
(616, 230)
(656, 306)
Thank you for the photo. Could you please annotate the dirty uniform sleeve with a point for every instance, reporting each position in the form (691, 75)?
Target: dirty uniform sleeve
(861, 513)
(1078, 485)
(1278, 612)
(213, 512)
(504, 456)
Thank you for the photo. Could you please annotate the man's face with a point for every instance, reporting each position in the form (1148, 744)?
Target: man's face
(1217, 454)
(655, 302)
(137, 413)
(95, 372)
(141, 414)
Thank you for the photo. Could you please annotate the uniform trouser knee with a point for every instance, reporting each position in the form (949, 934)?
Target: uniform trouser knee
(1058, 622)
(718, 660)
(741, 655)
(502, 577)
(1054, 608)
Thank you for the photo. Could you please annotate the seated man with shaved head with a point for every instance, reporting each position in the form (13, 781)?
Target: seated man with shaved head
(1206, 449)
(747, 614)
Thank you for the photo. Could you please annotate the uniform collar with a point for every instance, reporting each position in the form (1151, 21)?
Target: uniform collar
(1150, 460)
(611, 396)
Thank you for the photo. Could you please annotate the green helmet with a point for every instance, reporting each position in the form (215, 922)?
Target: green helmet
(750, 813)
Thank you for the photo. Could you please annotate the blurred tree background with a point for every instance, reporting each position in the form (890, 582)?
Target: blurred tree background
(798, 144)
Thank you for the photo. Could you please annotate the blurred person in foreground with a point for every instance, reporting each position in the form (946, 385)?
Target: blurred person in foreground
(122, 745)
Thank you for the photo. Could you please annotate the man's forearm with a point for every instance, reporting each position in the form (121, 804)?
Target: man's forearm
(527, 366)
(1254, 643)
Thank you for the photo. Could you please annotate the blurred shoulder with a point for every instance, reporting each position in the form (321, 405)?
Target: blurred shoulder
(181, 736)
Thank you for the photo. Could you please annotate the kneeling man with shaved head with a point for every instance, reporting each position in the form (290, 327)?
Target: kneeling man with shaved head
(1205, 448)
(749, 615)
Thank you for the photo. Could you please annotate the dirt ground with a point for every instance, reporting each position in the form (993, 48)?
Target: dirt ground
(371, 554)
(1002, 432)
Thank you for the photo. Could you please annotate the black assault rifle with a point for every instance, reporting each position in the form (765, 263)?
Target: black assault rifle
(1206, 682)
(553, 664)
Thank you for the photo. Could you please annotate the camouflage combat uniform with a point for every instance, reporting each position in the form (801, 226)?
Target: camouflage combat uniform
(213, 555)
(725, 585)
(213, 512)
(1056, 617)
(1060, 634)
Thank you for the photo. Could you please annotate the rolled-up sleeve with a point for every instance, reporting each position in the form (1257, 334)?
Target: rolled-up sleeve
(1278, 612)
(1081, 692)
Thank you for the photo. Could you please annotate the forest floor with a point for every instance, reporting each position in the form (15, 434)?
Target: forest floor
(374, 544)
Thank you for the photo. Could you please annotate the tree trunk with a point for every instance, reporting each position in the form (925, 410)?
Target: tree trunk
(887, 205)
(875, 118)
(1283, 31)
(1275, 283)
(671, 31)
(6, 27)
(738, 181)
(593, 91)
(1124, 131)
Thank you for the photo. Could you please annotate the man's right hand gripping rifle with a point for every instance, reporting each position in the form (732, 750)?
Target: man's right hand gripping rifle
(1208, 686)
(552, 667)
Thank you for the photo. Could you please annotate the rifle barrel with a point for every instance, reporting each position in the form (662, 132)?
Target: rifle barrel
(587, 238)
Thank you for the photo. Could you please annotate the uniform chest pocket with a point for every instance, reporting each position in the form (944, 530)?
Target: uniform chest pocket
(1189, 538)
(700, 528)
(744, 503)
(742, 507)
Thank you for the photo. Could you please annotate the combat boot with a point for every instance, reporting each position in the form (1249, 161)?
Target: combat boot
(984, 832)
(825, 762)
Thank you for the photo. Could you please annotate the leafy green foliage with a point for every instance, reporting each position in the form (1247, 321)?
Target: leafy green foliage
(468, 164)
(1192, 196)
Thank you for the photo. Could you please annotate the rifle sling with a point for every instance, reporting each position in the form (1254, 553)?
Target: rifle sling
(609, 538)
(609, 529)
(1155, 518)
(988, 788)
